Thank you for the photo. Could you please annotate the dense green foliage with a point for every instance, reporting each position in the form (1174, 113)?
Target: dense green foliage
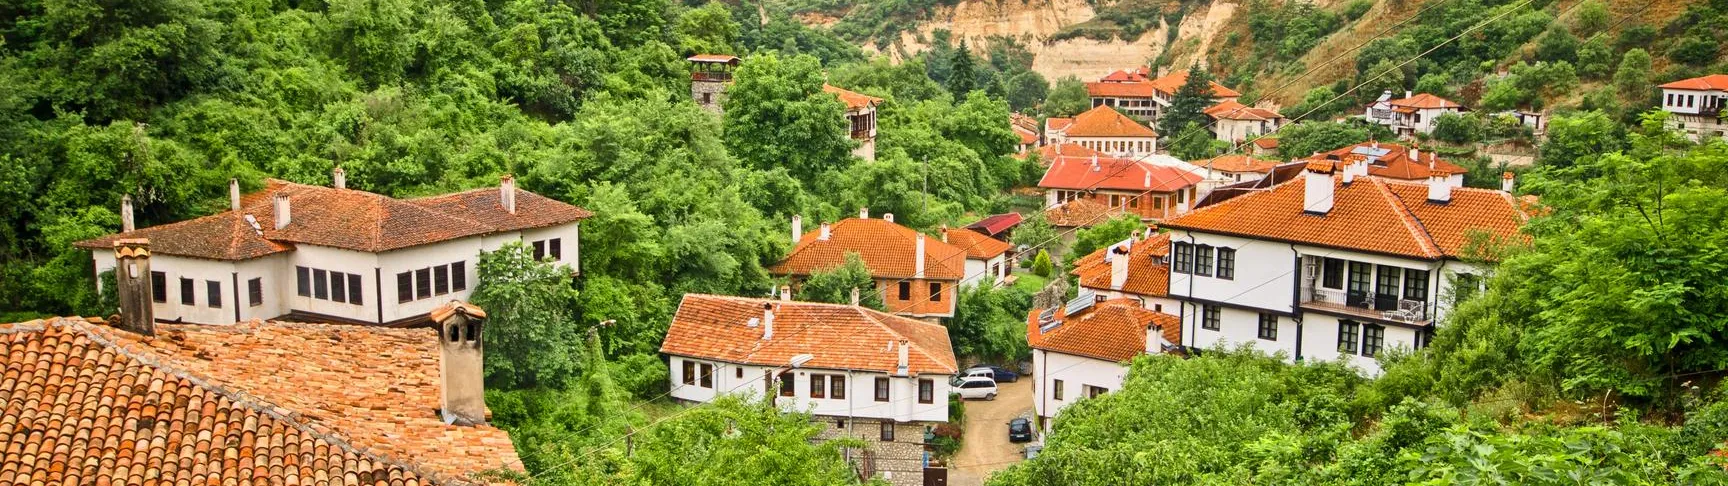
(532, 334)
(837, 285)
(1306, 138)
(1106, 233)
(990, 324)
(1188, 105)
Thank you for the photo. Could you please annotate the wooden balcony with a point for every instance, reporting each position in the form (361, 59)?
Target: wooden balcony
(712, 76)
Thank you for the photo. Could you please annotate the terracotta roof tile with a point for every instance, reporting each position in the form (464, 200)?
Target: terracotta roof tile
(1395, 163)
(1107, 172)
(1425, 101)
(1268, 143)
(1113, 330)
(887, 248)
(1147, 273)
(1120, 89)
(996, 224)
(1238, 163)
(1128, 75)
(482, 206)
(1079, 212)
(1105, 121)
(723, 58)
(282, 404)
(1231, 110)
(854, 100)
(836, 336)
(1169, 83)
(1057, 124)
(1701, 83)
(977, 245)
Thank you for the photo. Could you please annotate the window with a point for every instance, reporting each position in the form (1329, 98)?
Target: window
(1347, 336)
(556, 248)
(1210, 317)
(422, 283)
(213, 293)
(787, 387)
(837, 387)
(1056, 389)
(320, 281)
(1332, 271)
(905, 290)
(1268, 326)
(881, 389)
(818, 386)
(539, 250)
(887, 431)
(303, 281)
(1203, 260)
(1373, 337)
(441, 279)
(1388, 281)
(1115, 200)
(186, 295)
(255, 292)
(707, 375)
(1094, 391)
(1158, 203)
(1359, 277)
(738, 372)
(926, 391)
(996, 270)
(354, 289)
(1134, 202)
(935, 292)
(404, 287)
(1184, 258)
(1227, 263)
(459, 276)
(1416, 285)
(158, 287)
(689, 372)
(338, 286)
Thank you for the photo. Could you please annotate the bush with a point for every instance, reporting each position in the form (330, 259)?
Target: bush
(1041, 265)
(956, 410)
(1357, 8)
(1458, 128)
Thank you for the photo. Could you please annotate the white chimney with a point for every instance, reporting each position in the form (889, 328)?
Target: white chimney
(825, 232)
(339, 178)
(786, 292)
(507, 193)
(1349, 175)
(918, 257)
(1148, 182)
(1374, 144)
(889, 217)
(1506, 180)
(1439, 190)
(1094, 162)
(1153, 339)
(767, 321)
(903, 366)
(461, 368)
(126, 213)
(944, 232)
(1119, 264)
(1416, 156)
(864, 213)
(1409, 94)
(1317, 189)
(234, 194)
(283, 212)
(855, 300)
(797, 228)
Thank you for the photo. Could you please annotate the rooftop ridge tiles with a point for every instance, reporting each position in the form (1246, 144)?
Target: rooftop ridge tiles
(1412, 223)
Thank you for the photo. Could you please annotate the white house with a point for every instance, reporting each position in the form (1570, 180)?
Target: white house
(1137, 93)
(1234, 122)
(860, 119)
(1136, 268)
(1105, 130)
(1158, 188)
(1082, 350)
(986, 258)
(871, 375)
(332, 254)
(1696, 106)
(1332, 265)
(1411, 114)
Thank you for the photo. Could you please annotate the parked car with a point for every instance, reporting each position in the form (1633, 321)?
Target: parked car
(1019, 430)
(998, 373)
(975, 387)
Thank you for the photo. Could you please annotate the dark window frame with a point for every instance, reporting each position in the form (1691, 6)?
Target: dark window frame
(1211, 317)
(1388, 280)
(1203, 260)
(441, 279)
(159, 287)
(339, 287)
(1348, 333)
(1416, 284)
(422, 283)
(356, 290)
(1056, 389)
(255, 291)
(1184, 262)
(1360, 274)
(539, 250)
(818, 385)
(706, 373)
(1226, 263)
(1373, 339)
(788, 384)
(905, 290)
(887, 431)
(303, 281)
(926, 391)
(459, 276)
(935, 291)
(689, 370)
(213, 293)
(188, 295)
(837, 387)
(882, 393)
(405, 287)
(555, 247)
(1332, 273)
(320, 284)
(1268, 326)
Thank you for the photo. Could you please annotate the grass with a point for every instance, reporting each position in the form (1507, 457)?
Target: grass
(1030, 282)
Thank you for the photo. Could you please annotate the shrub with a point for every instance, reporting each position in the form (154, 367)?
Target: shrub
(1041, 265)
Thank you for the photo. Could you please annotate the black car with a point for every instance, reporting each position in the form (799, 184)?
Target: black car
(1019, 430)
(998, 373)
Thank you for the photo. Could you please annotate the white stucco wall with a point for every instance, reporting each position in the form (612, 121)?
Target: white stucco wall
(1320, 341)
(1126, 147)
(860, 401)
(568, 234)
(1075, 372)
(1263, 277)
(338, 260)
(466, 250)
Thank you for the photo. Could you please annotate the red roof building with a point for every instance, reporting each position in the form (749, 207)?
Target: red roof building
(1082, 349)
(1136, 93)
(996, 225)
(1149, 190)
(917, 275)
(1143, 274)
(1105, 130)
(1393, 161)
(860, 118)
(1696, 105)
(1412, 114)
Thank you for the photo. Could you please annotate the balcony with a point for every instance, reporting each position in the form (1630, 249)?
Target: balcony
(1366, 305)
(712, 76)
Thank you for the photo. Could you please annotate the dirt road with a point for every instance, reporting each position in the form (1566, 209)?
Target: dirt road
(986, 448)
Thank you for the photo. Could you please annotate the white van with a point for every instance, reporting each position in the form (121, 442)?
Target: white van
(975, 387)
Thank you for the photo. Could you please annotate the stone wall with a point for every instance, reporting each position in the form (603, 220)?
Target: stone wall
(900, 462)
(716, 94)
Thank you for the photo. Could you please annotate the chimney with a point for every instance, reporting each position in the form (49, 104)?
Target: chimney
(461, 368)
(1349, 175)
(1374, 144)
(797, 228)
(283, 214)
(339, 178)
(1439, 190)
(234, 194)
(126, 225)
(1094, 162)
(1152, 337)
(902, 368)
(825, 232)
(889, 217)
(1506, 179)
(767, 321)
(1119, 264)
(855, 300)
(1385, 95)
(785, 292)
(507, 193)
(1317, 193)
(864, 213)
(132, 280)
(944, 232)
(1416, 156)
(1148, 182)
(918, 257)
(1409, 94)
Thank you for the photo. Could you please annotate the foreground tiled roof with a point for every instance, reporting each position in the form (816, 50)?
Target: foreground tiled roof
(975, 244)
(1395, 164)
(1370, 215)
(271, 403)
(887, 248)
(854, 100)
(995, 224)
(1701, 83)
(1147, 275)
(840, 337)
(1114, 173)
(1425, 101)
(1105, 121)
(344, 218)
(1238, 163)
(1113, 330)
(1231, 110)
(1080, 212)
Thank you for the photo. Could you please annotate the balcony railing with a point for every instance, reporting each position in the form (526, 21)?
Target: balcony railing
(712, 76)
(1366, 304)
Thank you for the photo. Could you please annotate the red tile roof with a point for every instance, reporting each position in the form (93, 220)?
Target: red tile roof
(347, 219)
(1128, 75)
(977, 245)
(1169, 83)
(1425, 101)
(1105, 121)
(854, 100)
(720, 58)
(1113, 330)
(836, 336)
(1079, 212)
(1049, 153)
(1238, 163)
(995, 224)
(1114, 173)
(1057, 124)
(1395, 164)
(887, 248)
(1701, 83)
(273, 403)
(1027, 136)
(1231, 110)
(1398, 215)
(1117, 89)
(1268, 143)
(1147, 275)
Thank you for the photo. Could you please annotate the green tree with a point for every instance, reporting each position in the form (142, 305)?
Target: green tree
(963, 72)
(1067, 98)
(707, 30)
(1384, 76)
(1579, 138)
(836, 285)
(374, 37)
(1035, 233)
(778, 116)
(1557, 45)
(1193, 142)
(1042, 265)
(1633, 76)
(1595, 59)
(1026, 90)
(1695, 50)
(1458, 128)
(1592, 17)
(1189, 103)
(532, 332)
(990, 324)
(1319, 103)
(1305, 138)
(1108, 233)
